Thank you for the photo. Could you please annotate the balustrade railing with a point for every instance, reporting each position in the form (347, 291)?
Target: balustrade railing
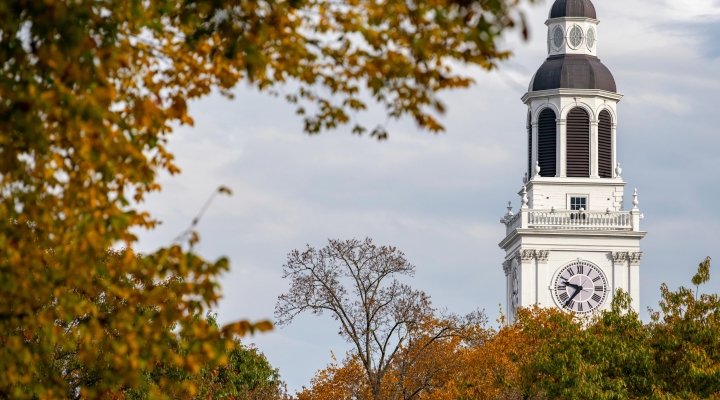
(553, 219)
(614, 220)
(513, 223)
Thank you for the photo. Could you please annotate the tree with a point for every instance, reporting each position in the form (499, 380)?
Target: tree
(550, 354)
(339, 381)
(493, 367)
(356, 282)
(686, 341)
(245, 374)
(89, 94)
(422, 368)
(616, 355)
(70, 369)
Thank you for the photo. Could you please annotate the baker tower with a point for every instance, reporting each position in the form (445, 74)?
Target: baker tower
(572, 244)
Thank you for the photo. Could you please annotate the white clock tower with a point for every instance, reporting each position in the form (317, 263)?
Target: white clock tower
(572, 244)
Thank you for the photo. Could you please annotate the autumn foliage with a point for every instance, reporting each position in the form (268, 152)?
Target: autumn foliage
(550, 354)
(90, 92)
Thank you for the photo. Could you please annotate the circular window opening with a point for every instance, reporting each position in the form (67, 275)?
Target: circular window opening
(575, 38)
(590, 38)
(558, 37)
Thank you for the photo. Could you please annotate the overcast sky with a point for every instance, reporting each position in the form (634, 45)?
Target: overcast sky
(438, 198)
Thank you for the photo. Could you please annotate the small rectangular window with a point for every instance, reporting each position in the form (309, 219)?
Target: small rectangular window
(578, 203)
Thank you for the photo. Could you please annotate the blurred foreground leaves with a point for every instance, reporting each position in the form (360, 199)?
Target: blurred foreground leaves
(89, 93)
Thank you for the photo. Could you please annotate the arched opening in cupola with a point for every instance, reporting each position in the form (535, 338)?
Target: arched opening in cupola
(578, 143)
(605, 163)
(547, 142)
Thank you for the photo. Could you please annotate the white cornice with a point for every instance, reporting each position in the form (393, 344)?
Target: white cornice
(571, 93)
(576, 181)
(517, 233)
(572, 19)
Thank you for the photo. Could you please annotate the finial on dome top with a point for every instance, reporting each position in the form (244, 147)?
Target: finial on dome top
(537, 169)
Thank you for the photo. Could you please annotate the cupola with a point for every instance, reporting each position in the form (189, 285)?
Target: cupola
(572, 41)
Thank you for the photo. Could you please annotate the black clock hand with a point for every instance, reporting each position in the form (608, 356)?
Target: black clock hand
(572, 285)
(577, 291)
(583, 286)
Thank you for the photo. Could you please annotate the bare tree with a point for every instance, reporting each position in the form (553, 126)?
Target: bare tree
(356, 282)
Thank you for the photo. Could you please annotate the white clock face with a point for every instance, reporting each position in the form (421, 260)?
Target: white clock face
(515, 294)
(580, 287)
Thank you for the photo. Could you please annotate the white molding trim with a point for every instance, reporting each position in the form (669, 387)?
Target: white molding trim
(575, 181)
(541, 108)
(571, 19)
(578, 104)
(609, 109)
(571, 93)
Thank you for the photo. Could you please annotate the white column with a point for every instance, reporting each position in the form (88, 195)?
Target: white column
(614, 149)
(619, 273)
(560, 165)
(634, 279)
(507, 265)
(594, 149)
(534, 150)
(541, 277)
(508, 289)
(527, 281)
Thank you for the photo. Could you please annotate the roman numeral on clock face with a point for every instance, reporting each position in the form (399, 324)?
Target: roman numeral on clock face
(600, 288)
(563, 296)
(596, 298)
(596, 279)
(580, 307)
(580, 269)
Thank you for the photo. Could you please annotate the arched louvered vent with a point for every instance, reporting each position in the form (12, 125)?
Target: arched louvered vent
(605, 163)
(529, 133)
(578, 143)
(547, 144)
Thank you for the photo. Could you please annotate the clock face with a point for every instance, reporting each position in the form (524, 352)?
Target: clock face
(515, 294)
(580, 287)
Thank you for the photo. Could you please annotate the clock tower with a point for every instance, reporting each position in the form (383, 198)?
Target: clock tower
(572, 243)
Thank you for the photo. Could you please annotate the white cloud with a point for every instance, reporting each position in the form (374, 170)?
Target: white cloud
(438, 197)
(678, 105)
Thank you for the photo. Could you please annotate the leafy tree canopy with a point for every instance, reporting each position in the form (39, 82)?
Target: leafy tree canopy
(550, 354)
(89, 92)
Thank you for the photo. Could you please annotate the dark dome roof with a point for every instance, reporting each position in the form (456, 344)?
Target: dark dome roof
(573, 71)
(573, 8)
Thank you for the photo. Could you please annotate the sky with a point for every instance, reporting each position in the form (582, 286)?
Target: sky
(439, 197)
